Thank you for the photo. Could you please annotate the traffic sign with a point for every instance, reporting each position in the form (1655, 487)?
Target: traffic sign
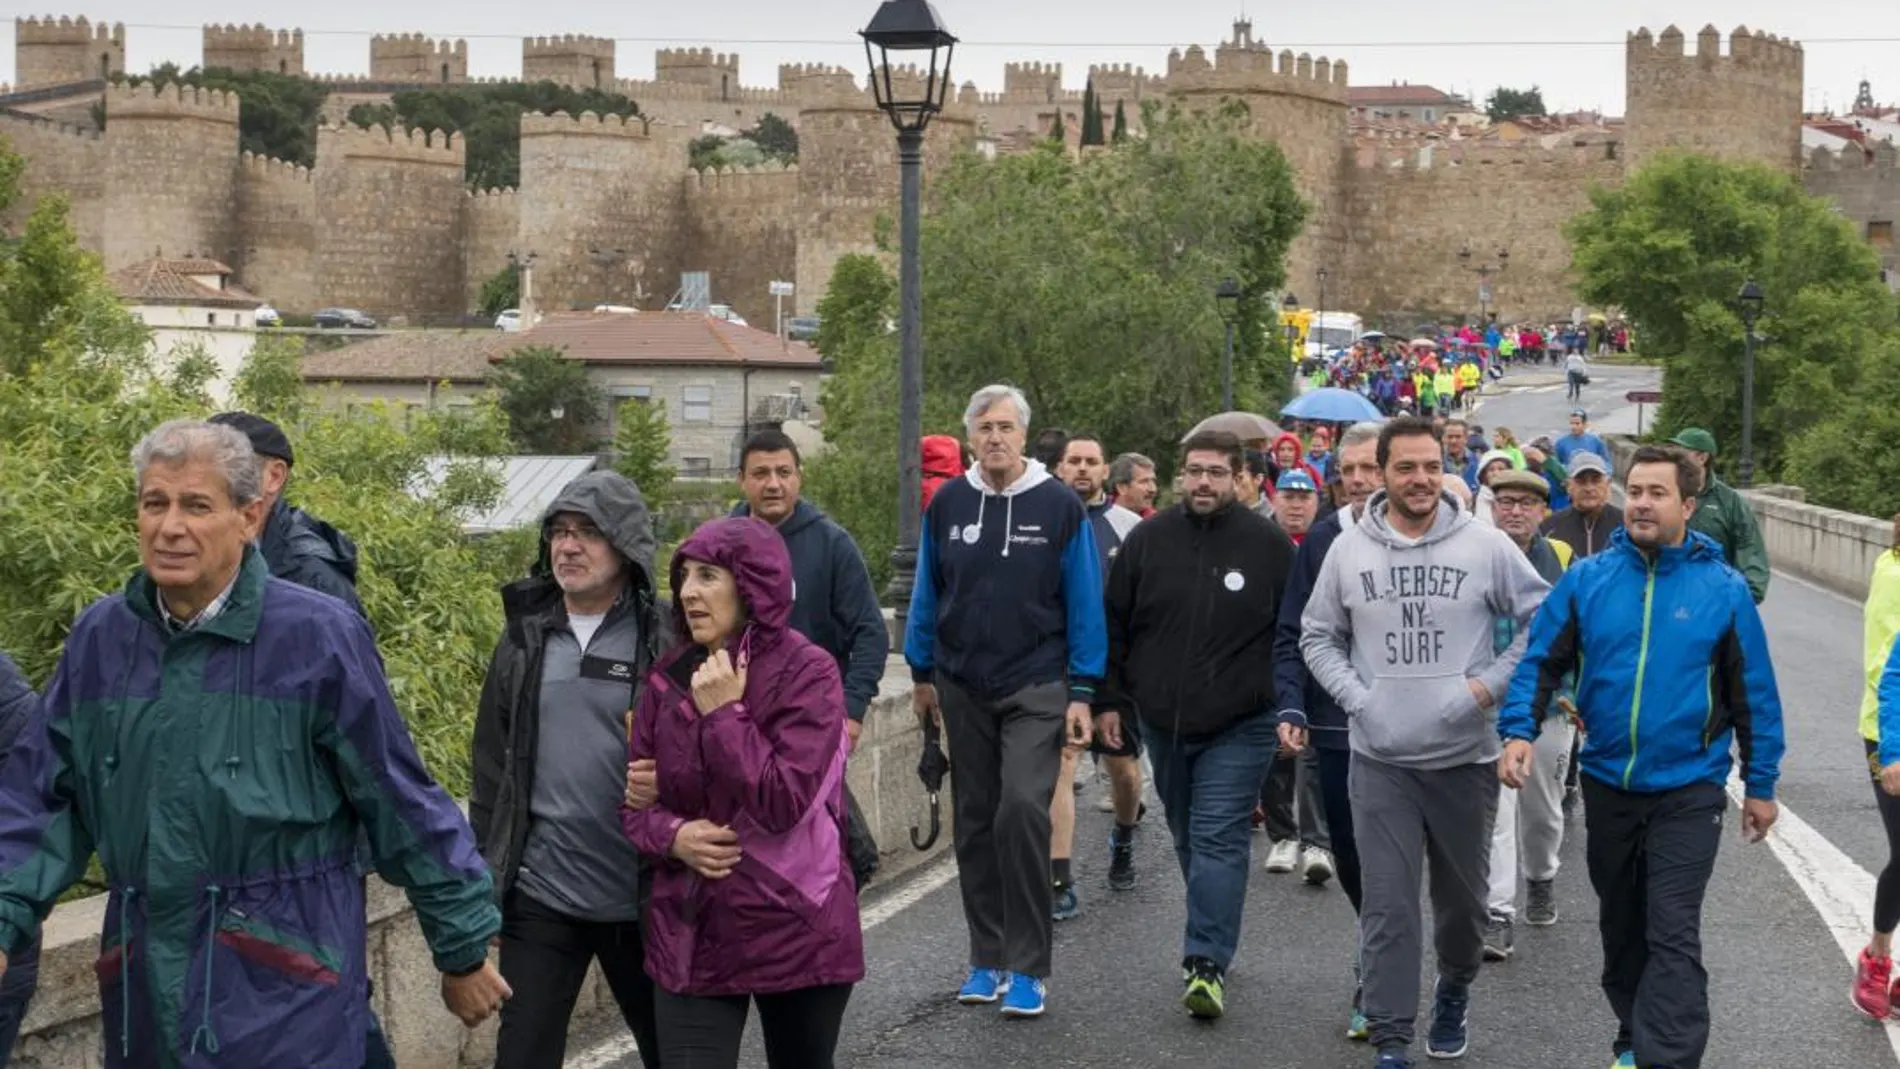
(780, 289)
(1644, 397)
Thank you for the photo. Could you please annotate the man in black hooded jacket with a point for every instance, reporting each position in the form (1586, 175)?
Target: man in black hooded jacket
(298, 547)
(550, 768)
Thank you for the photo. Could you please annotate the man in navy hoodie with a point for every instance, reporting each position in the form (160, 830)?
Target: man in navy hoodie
(833, 603)
(1006, 642)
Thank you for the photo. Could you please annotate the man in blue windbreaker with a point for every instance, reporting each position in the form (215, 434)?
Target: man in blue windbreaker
(1006, 642)
(1674, 672)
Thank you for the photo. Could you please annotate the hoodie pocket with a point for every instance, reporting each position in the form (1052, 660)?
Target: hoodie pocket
(1421, 717)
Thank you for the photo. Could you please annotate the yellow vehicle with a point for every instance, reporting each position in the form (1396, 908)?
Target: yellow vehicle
(1294, 326)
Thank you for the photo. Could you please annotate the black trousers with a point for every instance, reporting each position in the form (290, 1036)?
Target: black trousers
(1335, 768)
(1650, 858)
(544, 958)
(800, 1028)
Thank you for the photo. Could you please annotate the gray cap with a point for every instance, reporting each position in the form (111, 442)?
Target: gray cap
(1583, 462)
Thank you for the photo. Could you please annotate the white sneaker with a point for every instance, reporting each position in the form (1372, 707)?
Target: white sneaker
(1316, 864)
(1284, 855)
(1106, 803)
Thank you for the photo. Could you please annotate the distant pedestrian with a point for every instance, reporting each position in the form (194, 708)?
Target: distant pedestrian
(1006, 643)
(1400, 629)
(1674, 673)
(1132, 484)
(1581, 439)
(942, 462)
(1725, 515)
(1873, 991)
(1193, 599)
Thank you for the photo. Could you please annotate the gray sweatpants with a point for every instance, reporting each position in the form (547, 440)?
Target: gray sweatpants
(1402, 817)
(1004, 757)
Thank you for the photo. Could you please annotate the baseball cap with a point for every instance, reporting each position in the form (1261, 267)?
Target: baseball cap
(1695, 439)
(1582, 462)
(1580, 413)
(1295, 479)
(267, 439)
(1529, 482)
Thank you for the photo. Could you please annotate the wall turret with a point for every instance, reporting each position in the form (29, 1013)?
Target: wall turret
(391, 204)
(1043, 81)
(717, 72)
(1745, 105)
(171, 172)
(411, 57)
(254, 48)
(814, 79)
(578, 61)
(49, 51)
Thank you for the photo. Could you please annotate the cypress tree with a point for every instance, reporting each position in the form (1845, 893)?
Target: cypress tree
(1058, 132)
(1121, 124)
(1091, 116)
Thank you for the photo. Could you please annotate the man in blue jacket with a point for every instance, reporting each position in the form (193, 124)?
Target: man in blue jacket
(833, 603)
(1006, 631)
(17, 705)
(1674, 670)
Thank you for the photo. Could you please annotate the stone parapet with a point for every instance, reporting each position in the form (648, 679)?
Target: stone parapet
(170, 101)
(337, 143)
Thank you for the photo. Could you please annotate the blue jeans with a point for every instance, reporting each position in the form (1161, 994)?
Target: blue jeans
(16, 990)
(1208, 787)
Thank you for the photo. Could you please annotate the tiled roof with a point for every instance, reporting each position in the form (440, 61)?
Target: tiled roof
(592, 337)
(161, 281)
(1362, 96)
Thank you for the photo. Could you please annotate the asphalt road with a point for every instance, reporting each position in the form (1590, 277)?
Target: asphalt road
(1778, 974)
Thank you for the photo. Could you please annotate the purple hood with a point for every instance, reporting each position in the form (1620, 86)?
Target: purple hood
(771, 767)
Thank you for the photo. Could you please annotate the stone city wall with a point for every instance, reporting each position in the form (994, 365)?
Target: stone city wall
(1745, 104)
(742, 227)
(1865, 184)
(59, 159)
(171, 173)
(390, 242)
(491, 221)
(49, 51)
(277, 213)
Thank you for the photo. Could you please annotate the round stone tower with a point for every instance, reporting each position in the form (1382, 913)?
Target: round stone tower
(49, 51)
(171, 173)
(1742, 105)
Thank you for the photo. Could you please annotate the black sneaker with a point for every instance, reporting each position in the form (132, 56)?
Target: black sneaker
(1541, 909)
(1121, 862)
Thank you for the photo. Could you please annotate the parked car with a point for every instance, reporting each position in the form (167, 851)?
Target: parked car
(717, 311)
(509, 321)
(335, 318)
(617, 309)
(268, 317)
(802, 328)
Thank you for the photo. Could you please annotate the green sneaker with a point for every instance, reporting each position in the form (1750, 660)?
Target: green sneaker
(1206, 995)
(1625, 1060)
(1358, 1029)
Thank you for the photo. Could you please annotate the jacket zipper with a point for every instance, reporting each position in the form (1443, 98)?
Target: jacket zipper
(1708, 698)
(1642, 664)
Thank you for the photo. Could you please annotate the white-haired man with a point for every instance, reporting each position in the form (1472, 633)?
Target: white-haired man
(1006, 631)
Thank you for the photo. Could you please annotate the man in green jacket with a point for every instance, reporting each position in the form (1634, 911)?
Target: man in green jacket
(221, 739)
(1725, 515)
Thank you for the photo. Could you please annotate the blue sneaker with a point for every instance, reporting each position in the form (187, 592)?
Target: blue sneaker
(1024, 996)
(1625, 1060)
(983, 987)
(1067, 905)
(1450, 1003)
(1392, 1059)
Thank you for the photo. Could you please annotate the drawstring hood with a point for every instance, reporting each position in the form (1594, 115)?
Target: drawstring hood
(1034, 475)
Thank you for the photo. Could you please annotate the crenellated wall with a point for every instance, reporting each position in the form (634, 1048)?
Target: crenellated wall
(49, 51)
(1865, 184)
(490, 221)
(253, 48)
(741, 226)
(171, 173)
(1744, 104)
(278, 218)
(390, 242)
(579, 61)
(412, 57)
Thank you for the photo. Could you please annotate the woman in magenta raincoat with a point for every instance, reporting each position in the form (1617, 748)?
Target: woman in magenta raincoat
(753, 898)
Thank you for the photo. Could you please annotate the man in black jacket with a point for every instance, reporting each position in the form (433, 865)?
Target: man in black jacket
(1193, 600)
(298, 547)
(1309, 715)
(550, 769)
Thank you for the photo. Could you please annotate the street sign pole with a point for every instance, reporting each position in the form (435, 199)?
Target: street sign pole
(1639, 398)
(779, 291)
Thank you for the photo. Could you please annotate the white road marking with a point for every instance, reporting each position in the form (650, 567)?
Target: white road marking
(941, 871)
(1839, 889)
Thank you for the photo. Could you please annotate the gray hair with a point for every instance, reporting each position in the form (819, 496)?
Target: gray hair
(1359, 434)
(1122, 471)
(986, 398)
(226, 448)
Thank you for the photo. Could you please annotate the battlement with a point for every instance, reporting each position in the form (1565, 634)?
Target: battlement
(415, 57)
(415, 44)
(771, 179)
(170, 101)
(586, 124)
(496, 196)
(1476, 157)
(1746, 49)
(1124, 80)
(795, 78)
(643, 91)
(268, 168)
(256, 37)
(25, 122)
(1877, 156)
(568, 45)
(67, 31)
(337, 143)
(1253, 70)
(696, 64)
(253, 48)
(1036, 77)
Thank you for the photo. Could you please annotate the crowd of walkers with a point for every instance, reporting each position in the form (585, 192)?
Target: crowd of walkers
(1397, 652)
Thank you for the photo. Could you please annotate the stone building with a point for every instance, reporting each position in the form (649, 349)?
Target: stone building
(610, 212)
(192, 306)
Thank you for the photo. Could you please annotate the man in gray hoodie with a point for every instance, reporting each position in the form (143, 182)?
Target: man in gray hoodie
(1399, 629)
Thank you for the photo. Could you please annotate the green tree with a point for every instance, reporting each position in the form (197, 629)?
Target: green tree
(1091, 116)
(1057, 131)
(1672, 247)
(856, 478)
(703, 153)
(271, 381)
(776, 137)
(1511, 103)
(488, 119)
(500, 292)
(1120, 133)
(536, 381)
(642, 440)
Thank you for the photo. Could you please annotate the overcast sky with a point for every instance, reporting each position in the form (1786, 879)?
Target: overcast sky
(1574, 51)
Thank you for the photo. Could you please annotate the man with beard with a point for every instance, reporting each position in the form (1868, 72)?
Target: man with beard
(1192, 603)
(1399, 630)
(1310, 720)
(1084, 467)
(1658, 625)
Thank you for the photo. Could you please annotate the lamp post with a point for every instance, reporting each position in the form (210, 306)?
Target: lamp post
(1750, 300)
(1485, 271)
(1227, 299)
(524, 269)
(908, 26)
(1321, 311)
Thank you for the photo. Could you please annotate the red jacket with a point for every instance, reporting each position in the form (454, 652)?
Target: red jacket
(943, 461)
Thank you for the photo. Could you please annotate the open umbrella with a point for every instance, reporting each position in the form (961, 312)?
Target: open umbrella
(1424, 343)
(930, 769)
(1330, 404)
(1243, 425)
(1372, 335)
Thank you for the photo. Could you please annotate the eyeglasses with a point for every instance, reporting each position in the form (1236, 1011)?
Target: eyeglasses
(591, 536)
(1198, 472)
(1519, 504)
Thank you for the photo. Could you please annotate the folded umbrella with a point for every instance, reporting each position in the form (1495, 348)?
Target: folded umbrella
(930, 769)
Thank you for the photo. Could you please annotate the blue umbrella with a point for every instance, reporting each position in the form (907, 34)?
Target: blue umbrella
(1330, 405)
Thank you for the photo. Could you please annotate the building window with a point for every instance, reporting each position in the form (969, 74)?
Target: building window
(211, 319)
(1881, 233)
(697, 404)
(696, 467)
(1430, 116)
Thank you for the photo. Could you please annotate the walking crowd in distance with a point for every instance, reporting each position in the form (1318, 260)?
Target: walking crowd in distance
(1402, 650)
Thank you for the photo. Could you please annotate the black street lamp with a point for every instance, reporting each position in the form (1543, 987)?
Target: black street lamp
(1485, 271)
(1322, 293)
(1750, 300)
(1227, 299)
(911, 26)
